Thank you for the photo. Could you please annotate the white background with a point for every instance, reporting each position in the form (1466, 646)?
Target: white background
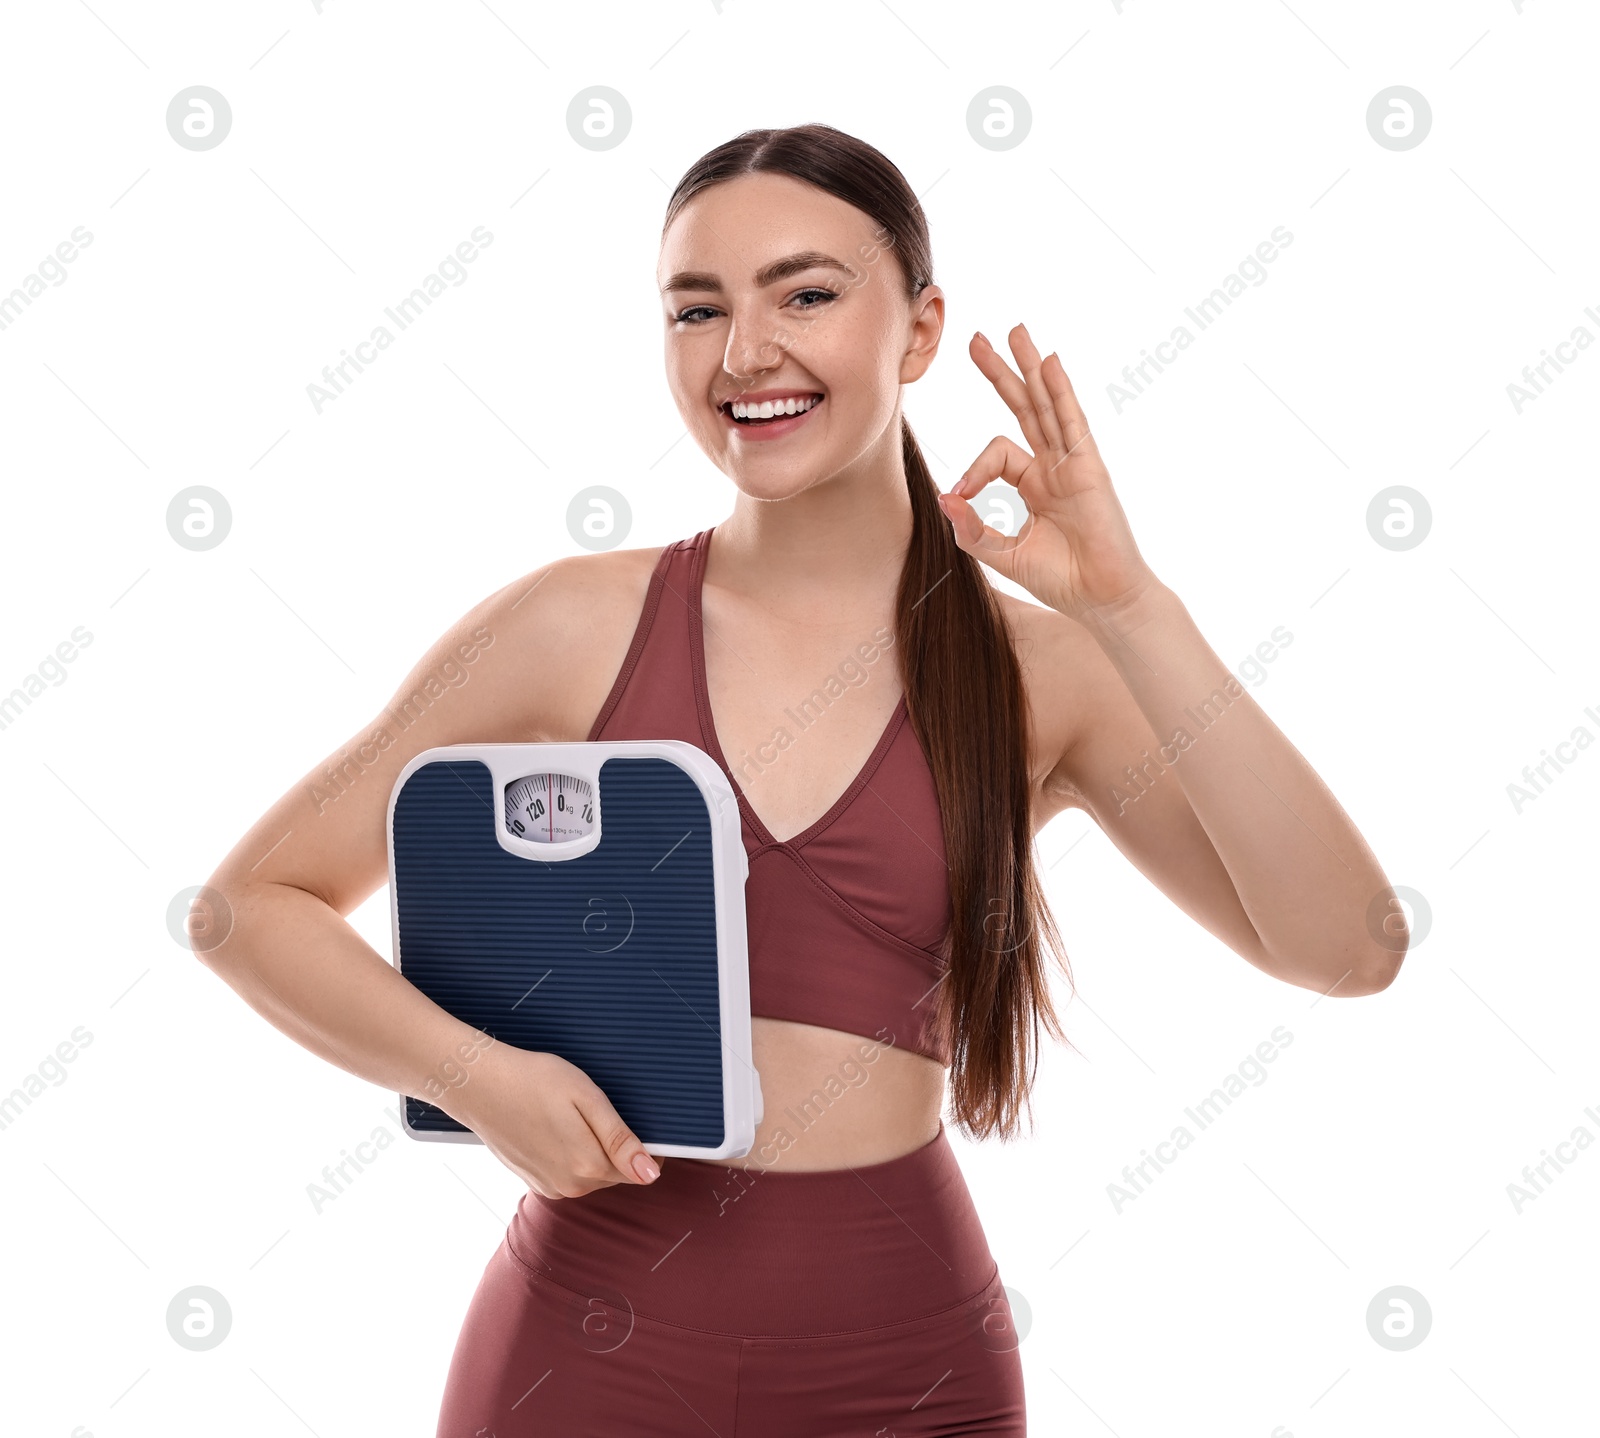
(1167, 141)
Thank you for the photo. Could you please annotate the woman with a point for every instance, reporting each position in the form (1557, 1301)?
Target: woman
(836, 1279)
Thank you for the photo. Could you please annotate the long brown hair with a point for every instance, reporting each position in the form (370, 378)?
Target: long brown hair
(964, 690)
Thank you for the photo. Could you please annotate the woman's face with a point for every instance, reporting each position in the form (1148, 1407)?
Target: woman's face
(774, 290)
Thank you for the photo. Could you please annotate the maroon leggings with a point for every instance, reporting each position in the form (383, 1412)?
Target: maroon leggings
(842, 1303)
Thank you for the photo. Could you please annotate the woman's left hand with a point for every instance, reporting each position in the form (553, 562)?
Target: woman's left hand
(1075, 552)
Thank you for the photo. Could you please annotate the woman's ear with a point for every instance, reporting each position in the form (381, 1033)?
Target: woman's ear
(927, 326)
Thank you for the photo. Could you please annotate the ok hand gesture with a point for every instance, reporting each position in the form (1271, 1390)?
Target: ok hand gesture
(1075, 552)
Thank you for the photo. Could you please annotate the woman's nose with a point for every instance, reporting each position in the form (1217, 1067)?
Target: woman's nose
(755, 345)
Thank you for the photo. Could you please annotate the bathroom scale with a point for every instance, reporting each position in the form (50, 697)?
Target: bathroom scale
(585, 900)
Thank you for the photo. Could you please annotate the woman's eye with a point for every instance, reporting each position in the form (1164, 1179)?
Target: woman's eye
(692, 315)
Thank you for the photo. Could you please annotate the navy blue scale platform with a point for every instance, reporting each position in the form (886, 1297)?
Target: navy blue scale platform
(584, 900)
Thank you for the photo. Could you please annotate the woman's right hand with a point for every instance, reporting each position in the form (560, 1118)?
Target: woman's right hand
(549, 1123)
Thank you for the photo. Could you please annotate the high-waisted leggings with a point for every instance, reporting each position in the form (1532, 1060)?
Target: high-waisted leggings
(743, 1303)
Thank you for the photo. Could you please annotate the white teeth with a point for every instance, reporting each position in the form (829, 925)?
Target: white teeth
(769, 408)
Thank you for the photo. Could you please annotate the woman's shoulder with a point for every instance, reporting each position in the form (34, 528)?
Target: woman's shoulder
(584, 585)
(571, 621)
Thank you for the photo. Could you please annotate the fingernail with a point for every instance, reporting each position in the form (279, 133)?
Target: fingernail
(985, 338)
(647, 1171)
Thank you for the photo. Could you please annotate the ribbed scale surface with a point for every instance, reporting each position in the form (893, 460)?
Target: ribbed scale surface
(608, 960)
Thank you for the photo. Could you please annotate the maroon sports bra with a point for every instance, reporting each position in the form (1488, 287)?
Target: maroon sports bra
(846, 919)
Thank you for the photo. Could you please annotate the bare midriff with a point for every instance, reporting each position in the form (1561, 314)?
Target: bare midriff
(837, 1100)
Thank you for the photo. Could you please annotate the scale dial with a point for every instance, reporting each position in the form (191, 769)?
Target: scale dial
(550, 808)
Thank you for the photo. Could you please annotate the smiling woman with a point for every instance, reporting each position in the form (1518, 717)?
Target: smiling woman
(835, 1279)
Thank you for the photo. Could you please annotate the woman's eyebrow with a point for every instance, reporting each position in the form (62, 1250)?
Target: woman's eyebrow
(767, 275)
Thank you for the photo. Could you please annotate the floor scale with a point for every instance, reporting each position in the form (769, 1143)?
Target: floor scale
(585, 900)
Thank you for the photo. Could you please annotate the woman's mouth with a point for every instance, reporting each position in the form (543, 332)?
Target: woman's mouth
(770, 419)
